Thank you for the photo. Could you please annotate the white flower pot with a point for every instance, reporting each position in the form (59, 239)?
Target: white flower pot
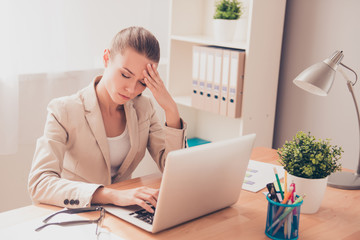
(224, 29)
(314, 189)
(241, 31)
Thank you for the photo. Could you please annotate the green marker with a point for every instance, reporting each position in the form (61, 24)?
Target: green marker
(278, 182)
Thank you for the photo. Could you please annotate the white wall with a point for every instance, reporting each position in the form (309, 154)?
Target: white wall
(77, 35)
(313, 30)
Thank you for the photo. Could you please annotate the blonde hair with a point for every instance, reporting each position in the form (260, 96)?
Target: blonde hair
(139, 39)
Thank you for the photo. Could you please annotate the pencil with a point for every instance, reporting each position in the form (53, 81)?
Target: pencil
(278, 182)
(286, 223)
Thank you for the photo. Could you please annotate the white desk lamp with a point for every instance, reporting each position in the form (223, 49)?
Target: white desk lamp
(318, 79)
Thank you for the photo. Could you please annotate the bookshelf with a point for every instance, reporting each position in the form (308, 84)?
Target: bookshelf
(191, 24)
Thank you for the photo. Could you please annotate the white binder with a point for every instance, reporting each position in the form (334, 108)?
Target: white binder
(237, 62)
(218, 52)
(209, 78)
(225, 82)
(195, 95)
(202, 77)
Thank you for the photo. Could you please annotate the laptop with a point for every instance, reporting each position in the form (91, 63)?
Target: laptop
(196, 181)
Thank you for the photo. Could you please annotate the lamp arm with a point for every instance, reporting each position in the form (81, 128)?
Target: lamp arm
(351, 90)
(356, 76)
(350, 87)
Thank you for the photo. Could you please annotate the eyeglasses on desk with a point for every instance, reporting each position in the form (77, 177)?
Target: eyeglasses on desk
(99, 220)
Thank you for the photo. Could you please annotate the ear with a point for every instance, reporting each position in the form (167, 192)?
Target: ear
(106, 57)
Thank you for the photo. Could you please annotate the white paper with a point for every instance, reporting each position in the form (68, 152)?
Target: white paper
(26, 230)
(258, 174)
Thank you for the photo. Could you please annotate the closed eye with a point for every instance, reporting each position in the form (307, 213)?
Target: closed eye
(142, 83)
(125, 76)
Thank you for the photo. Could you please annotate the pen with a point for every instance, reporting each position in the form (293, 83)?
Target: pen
(285, 182)
(278, 182)
(285, 193)
(293, 196)
(289, 221)
(272, 192)
(294, 214)
(286, 198)
(286, 212)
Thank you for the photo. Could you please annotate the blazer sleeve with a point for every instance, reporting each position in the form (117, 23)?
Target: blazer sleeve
(45, 184)
(163, 139)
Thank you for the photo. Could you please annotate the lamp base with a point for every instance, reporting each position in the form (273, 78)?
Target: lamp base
(344, 180)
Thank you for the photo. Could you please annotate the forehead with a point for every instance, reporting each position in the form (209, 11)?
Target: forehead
(131, 60)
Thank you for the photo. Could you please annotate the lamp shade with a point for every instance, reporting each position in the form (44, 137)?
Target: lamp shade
(318, 78)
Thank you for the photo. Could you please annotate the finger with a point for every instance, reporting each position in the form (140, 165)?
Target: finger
(151, 71)
(149, 79)
(149, 84)
(154, 192)
(150, 195)
(152, 201)
(144, 205)
(149, 190)
(157, 194)
(148, 199)
(146, 74)
(155, 69)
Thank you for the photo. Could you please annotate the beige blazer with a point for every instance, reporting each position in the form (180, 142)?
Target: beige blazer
(72, 157)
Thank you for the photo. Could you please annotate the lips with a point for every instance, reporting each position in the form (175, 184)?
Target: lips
(124, 97)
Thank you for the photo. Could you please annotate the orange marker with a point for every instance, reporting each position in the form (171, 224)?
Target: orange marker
(286, 198)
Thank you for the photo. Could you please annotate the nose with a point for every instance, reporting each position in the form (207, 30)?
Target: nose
(130, 87)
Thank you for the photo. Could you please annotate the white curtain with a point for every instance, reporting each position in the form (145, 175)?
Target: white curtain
(27, 45)
(9, 103)
(9, 84)
(45, 37)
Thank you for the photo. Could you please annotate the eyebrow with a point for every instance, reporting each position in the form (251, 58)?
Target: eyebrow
(129, 71)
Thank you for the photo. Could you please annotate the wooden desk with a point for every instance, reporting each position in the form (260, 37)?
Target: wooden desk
(338, 217)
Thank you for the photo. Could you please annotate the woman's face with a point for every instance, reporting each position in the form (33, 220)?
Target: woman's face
(123, 75)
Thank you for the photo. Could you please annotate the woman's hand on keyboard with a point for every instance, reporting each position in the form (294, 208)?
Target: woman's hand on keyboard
(136, 196)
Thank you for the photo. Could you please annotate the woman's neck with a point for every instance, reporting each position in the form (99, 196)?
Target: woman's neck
(107, 105)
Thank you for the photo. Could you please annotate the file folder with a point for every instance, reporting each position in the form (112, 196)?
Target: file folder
(237, 62)
(209, 78)
(202, 77)
(195, 95)
(218, 52)
(225, 82)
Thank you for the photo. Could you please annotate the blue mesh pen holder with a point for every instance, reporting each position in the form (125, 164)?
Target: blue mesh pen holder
(286, 227)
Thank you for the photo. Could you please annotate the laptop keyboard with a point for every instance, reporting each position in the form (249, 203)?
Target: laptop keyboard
(144, 215)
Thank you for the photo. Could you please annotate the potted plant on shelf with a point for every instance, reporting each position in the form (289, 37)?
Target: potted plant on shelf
(309, 162)
(227, 12)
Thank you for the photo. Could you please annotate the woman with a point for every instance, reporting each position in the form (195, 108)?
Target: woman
(99, 135)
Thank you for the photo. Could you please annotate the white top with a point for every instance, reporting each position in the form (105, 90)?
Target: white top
(119, 147)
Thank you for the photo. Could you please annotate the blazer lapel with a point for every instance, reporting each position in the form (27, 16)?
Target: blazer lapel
(95, 121)
(132, 124)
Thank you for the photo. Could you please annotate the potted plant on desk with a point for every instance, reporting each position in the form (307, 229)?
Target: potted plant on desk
(309, 163)
(227, 12)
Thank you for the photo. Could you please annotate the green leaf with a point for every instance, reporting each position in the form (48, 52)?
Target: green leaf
(307, 157)
(228, 9)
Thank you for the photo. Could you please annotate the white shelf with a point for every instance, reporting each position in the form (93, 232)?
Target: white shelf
(191, 23)
(208, 40)
(183, 100)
